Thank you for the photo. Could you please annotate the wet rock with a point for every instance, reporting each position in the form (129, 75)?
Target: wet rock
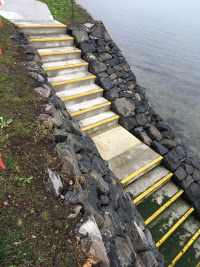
(97, 67)
(180, 174)
(80, 36)
(142, 135)
(87, 48)
(181, 152)
(159, 148)
(140, 90)
(193, 192)
(141, 119)
(162, 126)
(106, 83)
(168, 143)
(186, 182)
(171, 160)
(124, 107)
(154, 133)
(196, 175)
(54, 184)
(188, 168)
(93, 245)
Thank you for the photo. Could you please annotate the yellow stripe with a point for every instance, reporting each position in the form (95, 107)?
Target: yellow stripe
(41, 26)
(59, 53)
(152, 188)
(83, 94)
(100, 123)
(183, 218)
(198, 265)
(188, 245)
(51, 39)
(66, 67)
(75, 80)
(135, 174)
(166, 205)
(90, 109)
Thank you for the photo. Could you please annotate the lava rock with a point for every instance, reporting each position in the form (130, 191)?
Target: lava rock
(106, 83)
(124, 107)
(168, 143)
(159, 148)
(186, 182)
(87, 48)
(141, 119)
(89, 57)
(154, 133)
(148, 259)
(112, 94)
(97, 67)
(128, 123)
(37, 77)
(80, 36)
(105, 56)
(106, 36)
(180, 174)
(189, 169)
(171, 160)
(192, 192)
(113, 62)
(196, 175)
(142, 135)
(102, 75)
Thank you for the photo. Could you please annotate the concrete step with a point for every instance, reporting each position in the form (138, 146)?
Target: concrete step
(48, 41)
(148, 183)
(59, 53)
(72, 80)
(133, 163)
(34, 29)
(80, 94)
(99, 123)
(89, 108)
(58, 68)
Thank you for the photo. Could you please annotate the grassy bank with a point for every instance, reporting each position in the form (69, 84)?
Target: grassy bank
(62, 11)
(34, 229)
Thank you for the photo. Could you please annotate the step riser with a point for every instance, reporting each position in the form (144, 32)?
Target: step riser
(142, 173)
(90, 113)
(51, 44)
(102, 128)
(83, 98)
(73, 85)
(44, 31)
(54, 73)
(51, 58)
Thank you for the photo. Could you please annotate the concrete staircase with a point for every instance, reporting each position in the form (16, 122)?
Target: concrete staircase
(138, 167)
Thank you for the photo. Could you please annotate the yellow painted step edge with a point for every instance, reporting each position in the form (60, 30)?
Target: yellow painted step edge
(187, 246)
(100, 123)
(90, 109)
(75, 80)
(166, 205)
(83, 94)
(59, 53)
(182, 219)
(66, 67)
(51, 39)
(146, 167)
(41, 26)
(152, 188)
(198, 265)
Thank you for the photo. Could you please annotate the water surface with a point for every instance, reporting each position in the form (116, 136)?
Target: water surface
(161, 41)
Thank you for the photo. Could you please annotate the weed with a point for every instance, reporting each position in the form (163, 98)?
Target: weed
(41, 131)
(25, 180)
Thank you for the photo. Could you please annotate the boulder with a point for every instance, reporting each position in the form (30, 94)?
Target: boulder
(168, 143)
(154, 133)
(192, 192)
(105, 56)
(87, 48)
(80, 36)
(102, 75)
(142, 135)
(141, 119)
(196, 175)
(112, 94)
(188, 168)
(113, 62)
(89, 57)
(171, 160)
(179, 175)
(128, 123)
(106, 83)
(148, 259)
(181, 152)
(106, 36)
(37, 77)
(160, 149)
(186, 182)
(124, 107)
(93, 245)
(97, 67)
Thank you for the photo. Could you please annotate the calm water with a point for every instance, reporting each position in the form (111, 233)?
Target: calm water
(161, 40)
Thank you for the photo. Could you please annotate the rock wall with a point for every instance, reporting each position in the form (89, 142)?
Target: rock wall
(130, 102)
(112, 232)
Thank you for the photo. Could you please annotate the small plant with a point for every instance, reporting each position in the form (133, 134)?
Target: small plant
(41, 131)
(4, 123)
(25, 180)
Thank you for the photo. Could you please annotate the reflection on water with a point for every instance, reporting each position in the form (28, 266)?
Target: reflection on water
(161, 41)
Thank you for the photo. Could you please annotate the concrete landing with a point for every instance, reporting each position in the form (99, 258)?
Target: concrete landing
(26, 12)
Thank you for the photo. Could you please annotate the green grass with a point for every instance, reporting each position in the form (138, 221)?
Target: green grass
(62, 11)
